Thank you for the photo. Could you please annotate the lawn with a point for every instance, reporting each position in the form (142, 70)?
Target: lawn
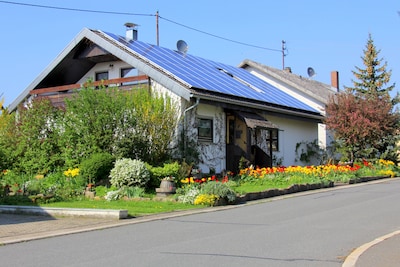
(135, 207)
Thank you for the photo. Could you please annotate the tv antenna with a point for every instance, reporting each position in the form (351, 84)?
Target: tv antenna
(182, 46)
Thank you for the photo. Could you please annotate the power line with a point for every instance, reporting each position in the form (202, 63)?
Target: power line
(137, 14)
(219, 37)
(75, 9)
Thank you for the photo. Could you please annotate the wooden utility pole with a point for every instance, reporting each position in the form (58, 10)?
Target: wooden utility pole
(157, 32)
(283, 54)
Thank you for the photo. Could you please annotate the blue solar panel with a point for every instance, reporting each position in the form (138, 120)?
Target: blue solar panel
(213, 76)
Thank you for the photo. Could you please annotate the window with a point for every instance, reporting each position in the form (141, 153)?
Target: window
(129, 72)
(205, 130)
(272, 139)
(102, 76)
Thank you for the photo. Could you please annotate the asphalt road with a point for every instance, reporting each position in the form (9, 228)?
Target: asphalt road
(314, 229)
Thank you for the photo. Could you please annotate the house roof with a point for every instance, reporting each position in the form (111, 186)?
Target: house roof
(184, 74)
(315, 89)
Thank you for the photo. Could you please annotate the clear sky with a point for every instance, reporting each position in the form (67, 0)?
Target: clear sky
(324, 35)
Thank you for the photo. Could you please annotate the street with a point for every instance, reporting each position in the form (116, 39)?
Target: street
(317, 228)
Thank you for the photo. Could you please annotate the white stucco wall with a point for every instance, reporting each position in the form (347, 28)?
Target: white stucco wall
(291, 132)
(213, 154)
(113, 68)
(324, 137)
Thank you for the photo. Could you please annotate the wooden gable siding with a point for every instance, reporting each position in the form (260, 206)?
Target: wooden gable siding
(64, 88)
(58, 94)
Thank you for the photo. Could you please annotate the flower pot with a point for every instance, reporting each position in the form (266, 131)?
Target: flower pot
(166, 188)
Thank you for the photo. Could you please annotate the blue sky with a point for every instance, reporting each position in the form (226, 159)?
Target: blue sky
(324, 35)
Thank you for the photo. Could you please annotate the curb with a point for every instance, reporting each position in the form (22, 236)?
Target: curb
(64, 212)
(351, 260)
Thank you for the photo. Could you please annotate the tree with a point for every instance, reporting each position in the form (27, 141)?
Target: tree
(6, 121)
(363, 127)
(372, 80)
(156, 123)
(363, 118)
(31, 139)
(127, 124)
(96, 120)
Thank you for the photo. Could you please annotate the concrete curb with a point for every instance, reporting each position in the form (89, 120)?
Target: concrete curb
(64, 212)
(351, 260)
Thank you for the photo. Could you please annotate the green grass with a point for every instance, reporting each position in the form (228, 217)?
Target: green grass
(135, 207)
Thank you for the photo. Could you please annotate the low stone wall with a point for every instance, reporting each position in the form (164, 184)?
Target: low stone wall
(278, 192)
(64, 212)
(293, 189)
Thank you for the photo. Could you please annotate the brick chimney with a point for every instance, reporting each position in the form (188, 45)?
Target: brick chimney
(335, 79)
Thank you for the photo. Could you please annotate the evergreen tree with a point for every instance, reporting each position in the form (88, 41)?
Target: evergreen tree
(362, 117)
(372, 80)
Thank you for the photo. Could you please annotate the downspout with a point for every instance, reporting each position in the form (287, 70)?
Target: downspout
(184, 123)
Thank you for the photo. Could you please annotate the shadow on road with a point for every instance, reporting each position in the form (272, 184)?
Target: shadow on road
(12, 212)
(8, 219)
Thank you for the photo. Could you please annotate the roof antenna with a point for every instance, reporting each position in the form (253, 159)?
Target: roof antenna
(310, 72)
(182, 47)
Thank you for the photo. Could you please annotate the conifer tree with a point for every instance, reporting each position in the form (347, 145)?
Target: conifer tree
(362, 117)
(373, 79)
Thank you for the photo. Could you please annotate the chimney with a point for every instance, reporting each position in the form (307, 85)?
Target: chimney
(335, 79)
(288, 69)
(131, 31)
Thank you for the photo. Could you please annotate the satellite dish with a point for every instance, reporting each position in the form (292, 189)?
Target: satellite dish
(182, 46)
(310, 72)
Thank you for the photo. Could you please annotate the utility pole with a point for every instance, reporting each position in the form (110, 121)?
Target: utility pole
(157, 32)
(283, 53)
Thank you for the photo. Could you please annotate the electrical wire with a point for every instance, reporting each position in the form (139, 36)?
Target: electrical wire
(219, 37)
(137, 14)
(75, 9)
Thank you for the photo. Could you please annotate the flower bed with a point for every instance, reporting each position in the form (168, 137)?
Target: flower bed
(256, 183)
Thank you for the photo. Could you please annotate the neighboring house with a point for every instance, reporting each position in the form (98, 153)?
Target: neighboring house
(305, 89)
(227, 112)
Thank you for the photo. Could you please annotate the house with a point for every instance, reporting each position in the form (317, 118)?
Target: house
(305, 89)
(228, 112)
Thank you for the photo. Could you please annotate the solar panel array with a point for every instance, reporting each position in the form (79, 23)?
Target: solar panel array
(213, 76)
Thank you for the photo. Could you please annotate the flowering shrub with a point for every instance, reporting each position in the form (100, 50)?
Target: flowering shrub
(205, 199)
(188, 193)
(220, 190)
(129, 172)
(68, 173)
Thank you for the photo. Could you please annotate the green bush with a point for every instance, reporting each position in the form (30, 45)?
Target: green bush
(97, 166)
(167, 170)
(188, 193)
(221, 190)
(129, 172)
(132, 191)
(56, 185)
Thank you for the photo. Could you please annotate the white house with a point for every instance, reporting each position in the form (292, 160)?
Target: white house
(305, 89)
(228, 112)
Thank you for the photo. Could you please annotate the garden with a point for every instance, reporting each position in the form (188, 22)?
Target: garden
(110, 149)
(131, 184)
